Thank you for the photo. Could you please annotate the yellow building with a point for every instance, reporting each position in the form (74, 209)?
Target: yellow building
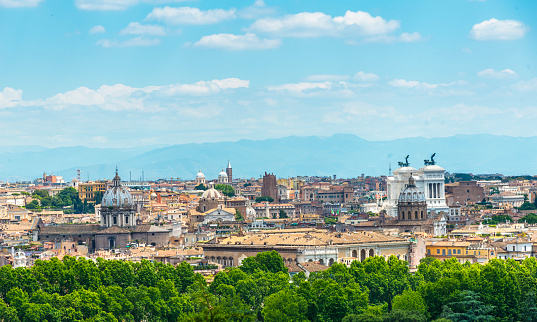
(311, 218)
(462, 250)
(87, 191)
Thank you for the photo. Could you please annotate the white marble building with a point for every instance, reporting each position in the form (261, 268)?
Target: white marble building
(429, 179)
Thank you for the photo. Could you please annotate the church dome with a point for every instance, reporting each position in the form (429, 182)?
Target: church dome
(222, 174)
(200, 175)
(212, 193)
(411, 193)
(117, 195)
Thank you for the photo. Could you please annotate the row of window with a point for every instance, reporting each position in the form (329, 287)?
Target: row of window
(455, 252)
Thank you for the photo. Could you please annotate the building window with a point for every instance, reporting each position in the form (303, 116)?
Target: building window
(443, 252)
(126, 219)
(115, 220)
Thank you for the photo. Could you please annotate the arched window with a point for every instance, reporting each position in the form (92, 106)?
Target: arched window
(362, 255)
(355, 253)
(416, 214)
(402, 215)
(422, 214)
(371, 253)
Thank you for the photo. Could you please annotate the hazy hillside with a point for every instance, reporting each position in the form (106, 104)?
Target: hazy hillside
(342, 155)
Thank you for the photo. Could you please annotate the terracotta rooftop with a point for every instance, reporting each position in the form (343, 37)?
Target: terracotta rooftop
(307, 237)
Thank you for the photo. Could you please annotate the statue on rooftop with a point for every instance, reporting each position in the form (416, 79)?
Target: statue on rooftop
(431, 161)
(404, 164)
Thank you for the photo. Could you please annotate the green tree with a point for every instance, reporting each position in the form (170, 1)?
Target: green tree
(497, 220)
(284, 306)
(264, 198)
(468, 307)
(409, 301)
(404, 316)
(34, 204)
(201, 186)
(528, 309)
(527, 206)
(225, 189)
(238, 216)
(270, 261)
(530, 218)
(40, 194)
(283, 214)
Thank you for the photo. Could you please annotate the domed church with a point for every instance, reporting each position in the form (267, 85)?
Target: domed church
(117, 206)
(411, 204)
(412, 213)
(118, 227)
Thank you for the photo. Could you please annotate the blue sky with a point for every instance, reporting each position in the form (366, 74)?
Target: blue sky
(111, 73)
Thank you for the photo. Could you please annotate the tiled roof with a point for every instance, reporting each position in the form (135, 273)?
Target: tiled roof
(113, 230)
(307, 237)
(70, 229)
(149, 229)
(314, 267)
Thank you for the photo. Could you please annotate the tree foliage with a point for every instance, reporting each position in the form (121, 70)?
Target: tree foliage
(264, 198)
(226, 189)
(67, 200)
(261, 289)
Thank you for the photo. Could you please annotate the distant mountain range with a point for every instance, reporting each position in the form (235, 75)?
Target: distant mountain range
(341, 155)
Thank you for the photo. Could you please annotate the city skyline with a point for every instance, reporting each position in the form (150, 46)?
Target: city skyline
(131, 72)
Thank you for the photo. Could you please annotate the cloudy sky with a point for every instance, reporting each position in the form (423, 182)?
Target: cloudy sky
(111, 73)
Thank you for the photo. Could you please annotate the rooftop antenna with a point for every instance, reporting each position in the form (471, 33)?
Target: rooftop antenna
(390, 169)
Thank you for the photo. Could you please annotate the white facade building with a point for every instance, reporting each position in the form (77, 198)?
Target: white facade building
(429, 179)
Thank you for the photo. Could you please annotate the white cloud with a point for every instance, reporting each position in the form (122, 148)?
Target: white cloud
(97, 30)
(316, 24)
(417, 84)
(190, 16)
(500, 74)
(403, 83)
(330, 78)
(237, 42)
(390, 39)
(105, 5)
(300, 87)
(495, 29)
(10, 97)
(258, 9)
(204, 87)
(526, 86)
(19, 3)
(133, 42)
(122, 97)
(366, 77)
(135, 28)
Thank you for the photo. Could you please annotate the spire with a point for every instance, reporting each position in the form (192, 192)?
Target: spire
(117, 179)
(228, 165)
(411, 181)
